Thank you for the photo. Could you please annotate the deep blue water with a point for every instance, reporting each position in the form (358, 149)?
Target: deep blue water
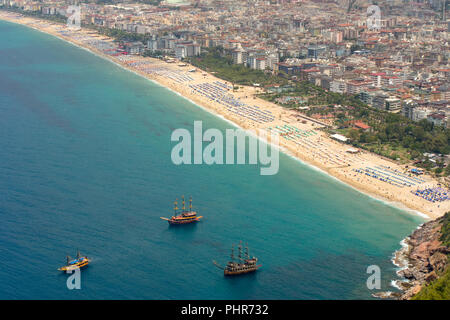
(85, 163)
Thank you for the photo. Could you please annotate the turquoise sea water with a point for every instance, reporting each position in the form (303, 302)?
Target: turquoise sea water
(85, 163)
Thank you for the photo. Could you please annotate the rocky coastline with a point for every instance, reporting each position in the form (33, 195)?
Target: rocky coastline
(422, 258)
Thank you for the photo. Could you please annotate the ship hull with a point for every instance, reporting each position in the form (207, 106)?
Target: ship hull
(173, 222)
(239, 272)
(75, 266)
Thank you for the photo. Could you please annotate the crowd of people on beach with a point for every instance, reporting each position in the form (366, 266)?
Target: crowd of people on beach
(391, 176)
(401, 179)
(175, 75)
(107, 47)
(373, 173)
(219, 92)
(150, 68)
(310, 140)
(432, 194)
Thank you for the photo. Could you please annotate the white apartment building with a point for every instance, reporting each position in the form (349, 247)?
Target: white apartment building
(420, 113)
(338, 86)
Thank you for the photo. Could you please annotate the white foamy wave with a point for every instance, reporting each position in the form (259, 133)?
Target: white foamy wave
(394, 283)
(399, 258)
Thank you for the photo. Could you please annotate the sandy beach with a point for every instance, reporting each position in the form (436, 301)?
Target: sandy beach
(299, 136)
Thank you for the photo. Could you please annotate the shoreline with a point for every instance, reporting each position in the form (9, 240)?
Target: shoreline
(322, 146)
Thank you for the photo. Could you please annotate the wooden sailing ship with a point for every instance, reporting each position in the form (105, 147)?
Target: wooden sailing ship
(241, 265)
(77, 263)
(186, 216)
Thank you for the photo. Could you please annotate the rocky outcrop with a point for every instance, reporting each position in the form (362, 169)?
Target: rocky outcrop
(424, 257)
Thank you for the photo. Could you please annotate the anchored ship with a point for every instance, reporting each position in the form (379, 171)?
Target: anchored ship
(241, 265)
(186, 216)
(77, 263)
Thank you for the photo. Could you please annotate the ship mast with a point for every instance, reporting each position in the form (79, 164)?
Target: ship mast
(184, 205)
(190, 203)
(175, 206)
(246, 251)
(240, 251)
(232, 253)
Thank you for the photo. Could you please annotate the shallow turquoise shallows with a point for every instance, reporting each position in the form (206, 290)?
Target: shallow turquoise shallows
(85, 164)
